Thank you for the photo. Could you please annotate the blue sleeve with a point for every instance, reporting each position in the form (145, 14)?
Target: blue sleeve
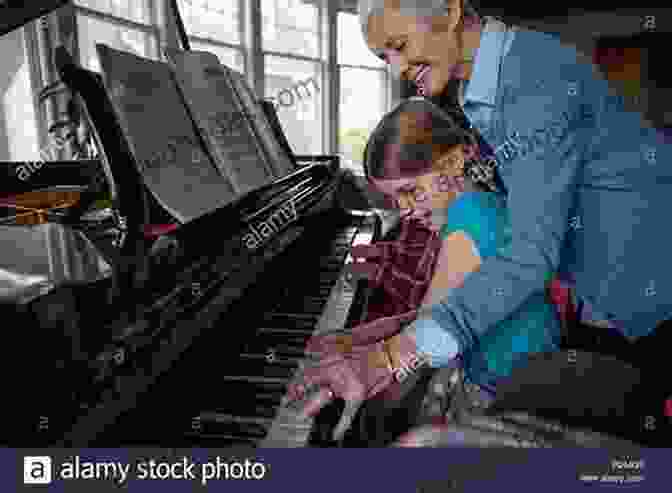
(478, 215)
(540, 180)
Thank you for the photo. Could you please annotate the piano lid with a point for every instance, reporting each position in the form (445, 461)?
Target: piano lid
(16, 13)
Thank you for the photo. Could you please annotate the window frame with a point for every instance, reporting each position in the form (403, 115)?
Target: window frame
(162, 32)
(152, 28)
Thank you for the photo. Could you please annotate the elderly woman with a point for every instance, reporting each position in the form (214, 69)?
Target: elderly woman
(587, 183)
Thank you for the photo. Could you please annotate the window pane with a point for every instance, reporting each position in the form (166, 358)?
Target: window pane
(133, 10)
(212, 19)
(290, 26)
(294, 86)
(92, 31)
(352, 49)
(360, 111)
(230, 57)
(18, 122)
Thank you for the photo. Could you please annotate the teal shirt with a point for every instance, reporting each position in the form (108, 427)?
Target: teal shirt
(533, 327)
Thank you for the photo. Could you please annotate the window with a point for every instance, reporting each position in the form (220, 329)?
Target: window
(18, 122)
(291, 41)
(132, 10)
(231, 57)
(364, 98)
(352, 49)
(214, 26)
(294, 87)
(93, 31)
(215, 20)
(290, 26)
(121, 24)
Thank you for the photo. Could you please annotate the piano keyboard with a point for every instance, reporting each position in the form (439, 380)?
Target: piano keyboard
(228, 389)
(288, 429)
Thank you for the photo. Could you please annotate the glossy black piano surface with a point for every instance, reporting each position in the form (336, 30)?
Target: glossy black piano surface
(204, 271)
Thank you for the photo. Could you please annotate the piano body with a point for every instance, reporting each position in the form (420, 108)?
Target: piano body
(169, 323)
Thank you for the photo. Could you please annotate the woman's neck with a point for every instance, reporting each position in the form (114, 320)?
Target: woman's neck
(471, 40)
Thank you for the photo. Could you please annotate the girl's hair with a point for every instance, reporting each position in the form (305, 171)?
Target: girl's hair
(409, 140)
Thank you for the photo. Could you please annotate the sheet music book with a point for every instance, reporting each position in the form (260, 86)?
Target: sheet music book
(265, 131)
(175, 167)
(234, 125)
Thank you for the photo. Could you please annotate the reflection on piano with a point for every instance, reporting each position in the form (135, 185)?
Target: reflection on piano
(192, 334)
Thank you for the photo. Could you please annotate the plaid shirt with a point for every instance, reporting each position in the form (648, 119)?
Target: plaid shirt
(402, 268)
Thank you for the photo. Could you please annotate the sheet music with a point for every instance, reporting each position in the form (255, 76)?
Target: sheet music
(224, 119)
(279, 158)
(175, 167)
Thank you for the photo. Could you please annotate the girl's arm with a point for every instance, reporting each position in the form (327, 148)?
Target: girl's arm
(458, 257)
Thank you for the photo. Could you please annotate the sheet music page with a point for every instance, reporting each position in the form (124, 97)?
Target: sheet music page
(175, 167)
(223, 119)
(279, 158)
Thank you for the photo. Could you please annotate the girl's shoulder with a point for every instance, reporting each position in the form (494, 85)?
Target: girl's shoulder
(478, 214)
(475, 206)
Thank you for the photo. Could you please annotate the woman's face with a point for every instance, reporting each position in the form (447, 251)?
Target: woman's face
(424, 49)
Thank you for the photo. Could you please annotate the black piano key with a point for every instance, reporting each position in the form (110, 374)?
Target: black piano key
(284, 331)
(263, 366)
(264, 384)
(222, 440)
(281, 320)
(273, 344)
(241, 393)
(248, 427)
(247, 407)
(273, 338)
(271, 359)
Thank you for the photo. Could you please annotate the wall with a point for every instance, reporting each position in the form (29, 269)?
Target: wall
(582, 29)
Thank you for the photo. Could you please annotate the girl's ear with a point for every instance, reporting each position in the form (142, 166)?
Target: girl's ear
(451, 163)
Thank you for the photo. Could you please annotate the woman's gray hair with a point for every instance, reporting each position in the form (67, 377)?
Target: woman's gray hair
(367, 8)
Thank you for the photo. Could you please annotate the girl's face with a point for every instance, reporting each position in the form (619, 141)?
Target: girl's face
(433, 191)
(423, 49)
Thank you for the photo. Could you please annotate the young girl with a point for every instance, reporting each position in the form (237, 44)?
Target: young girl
(432, 169)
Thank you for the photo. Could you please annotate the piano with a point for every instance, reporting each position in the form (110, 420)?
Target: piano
(190, 330)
